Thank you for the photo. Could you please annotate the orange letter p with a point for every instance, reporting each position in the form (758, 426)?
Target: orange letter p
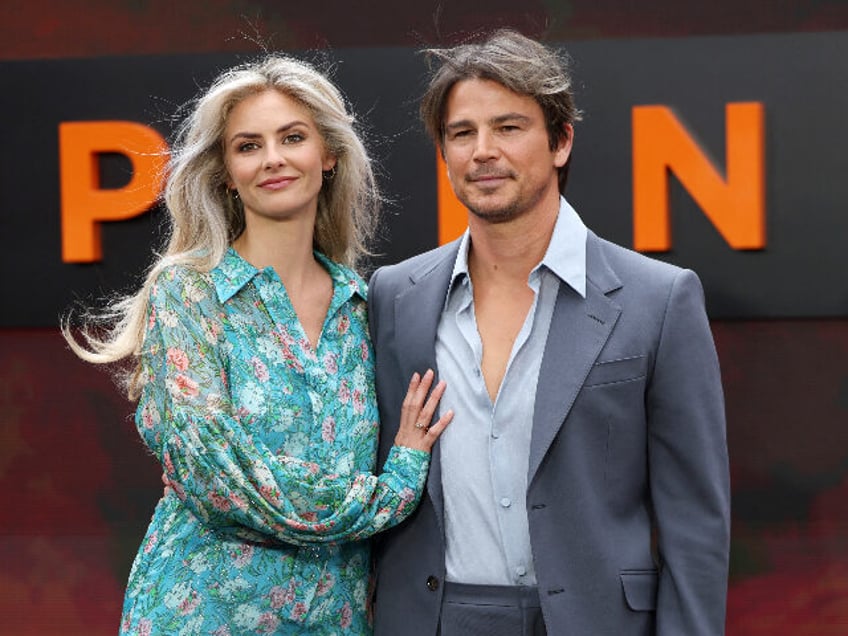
(84, 204)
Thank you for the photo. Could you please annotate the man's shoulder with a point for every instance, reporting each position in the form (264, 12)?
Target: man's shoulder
(630, 264)
(403, 272)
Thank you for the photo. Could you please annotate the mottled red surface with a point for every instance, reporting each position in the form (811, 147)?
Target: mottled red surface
(78, 487)
(60, 28)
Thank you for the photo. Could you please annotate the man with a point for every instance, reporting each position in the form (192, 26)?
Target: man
(583, 486)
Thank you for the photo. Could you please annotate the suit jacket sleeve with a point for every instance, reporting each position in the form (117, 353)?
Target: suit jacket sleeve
(687, 454)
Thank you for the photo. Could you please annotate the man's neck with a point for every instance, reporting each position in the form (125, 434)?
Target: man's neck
(509, 251)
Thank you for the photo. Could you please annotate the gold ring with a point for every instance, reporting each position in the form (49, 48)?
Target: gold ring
(419, 425)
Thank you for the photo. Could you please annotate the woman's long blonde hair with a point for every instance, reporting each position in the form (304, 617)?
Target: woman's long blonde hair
(204, 217)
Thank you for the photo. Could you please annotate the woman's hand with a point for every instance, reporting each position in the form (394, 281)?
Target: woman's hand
(416, 430)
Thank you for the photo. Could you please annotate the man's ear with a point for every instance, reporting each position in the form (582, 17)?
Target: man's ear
(564, 144)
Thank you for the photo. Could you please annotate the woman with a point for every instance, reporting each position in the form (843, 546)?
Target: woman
(255, 372)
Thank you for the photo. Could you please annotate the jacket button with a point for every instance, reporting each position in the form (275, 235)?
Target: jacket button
(432, 583)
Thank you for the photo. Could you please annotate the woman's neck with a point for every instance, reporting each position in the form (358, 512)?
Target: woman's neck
(285, 246)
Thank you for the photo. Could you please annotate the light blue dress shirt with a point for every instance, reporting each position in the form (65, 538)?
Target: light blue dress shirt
(484, 453)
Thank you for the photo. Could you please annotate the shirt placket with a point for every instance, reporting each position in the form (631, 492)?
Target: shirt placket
(509, 450)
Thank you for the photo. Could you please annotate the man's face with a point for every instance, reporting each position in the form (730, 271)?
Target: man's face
(497, 151)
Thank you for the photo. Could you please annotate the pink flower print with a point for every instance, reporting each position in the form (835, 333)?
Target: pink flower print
(330, 365)
(151, 321)
(292, 360)
(278, 597)
(298, 611)
(346, 616)
(242, 555)
(268, 623)
(363, 350)
(309, 517)
(259, 369)
(283, 336)
(325, 584)
(151, 542)
(169, 465)
(147, 417)
(358, 401)
(187, 386)
(178, 358)
(219, 502)
(145, 627)
(328, 430)
(344, 392)
(270, 494)
(223, 630)
(189, 603)
(238, 501)
(344, 324)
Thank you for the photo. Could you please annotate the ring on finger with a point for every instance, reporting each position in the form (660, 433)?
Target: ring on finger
(421, 425)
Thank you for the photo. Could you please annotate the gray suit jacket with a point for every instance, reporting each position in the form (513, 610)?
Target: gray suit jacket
(628, 488)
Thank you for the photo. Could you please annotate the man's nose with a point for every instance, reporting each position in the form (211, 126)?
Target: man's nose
(485, 147)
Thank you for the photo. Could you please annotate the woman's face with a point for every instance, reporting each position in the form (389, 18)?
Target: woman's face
(274, 157)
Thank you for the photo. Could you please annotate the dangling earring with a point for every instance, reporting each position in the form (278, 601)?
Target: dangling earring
(329, 174)
(234, 194)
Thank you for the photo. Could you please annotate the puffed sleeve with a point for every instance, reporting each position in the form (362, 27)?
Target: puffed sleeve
(228, 478)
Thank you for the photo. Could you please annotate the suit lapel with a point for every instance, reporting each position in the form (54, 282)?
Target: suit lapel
(417, 310)
(579, 329)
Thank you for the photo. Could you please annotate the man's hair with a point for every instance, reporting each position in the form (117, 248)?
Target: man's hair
(518, 63)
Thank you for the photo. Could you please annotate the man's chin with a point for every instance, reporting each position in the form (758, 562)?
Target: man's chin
(492, 213)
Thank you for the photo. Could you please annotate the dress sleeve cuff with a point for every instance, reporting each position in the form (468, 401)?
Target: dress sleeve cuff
(409, 466)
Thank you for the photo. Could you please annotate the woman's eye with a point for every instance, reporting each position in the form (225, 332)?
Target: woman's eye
(247, 146)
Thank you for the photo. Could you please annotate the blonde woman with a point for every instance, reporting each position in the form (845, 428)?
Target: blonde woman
(253, 371)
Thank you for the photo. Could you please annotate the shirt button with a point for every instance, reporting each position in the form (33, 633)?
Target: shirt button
(521, 570)
(505, 502)
(432, 583)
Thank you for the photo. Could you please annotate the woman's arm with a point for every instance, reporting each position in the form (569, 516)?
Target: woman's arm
(232, 480)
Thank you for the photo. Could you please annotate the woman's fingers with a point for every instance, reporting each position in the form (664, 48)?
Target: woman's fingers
(436, 429)
(419, 407)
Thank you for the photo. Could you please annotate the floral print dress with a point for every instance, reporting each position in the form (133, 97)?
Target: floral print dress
(269, 447)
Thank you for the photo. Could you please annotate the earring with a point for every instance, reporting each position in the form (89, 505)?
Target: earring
(234, 194)
(329, 174)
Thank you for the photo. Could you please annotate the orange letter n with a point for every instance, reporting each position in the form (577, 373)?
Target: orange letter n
(84, 204)
(735, 205)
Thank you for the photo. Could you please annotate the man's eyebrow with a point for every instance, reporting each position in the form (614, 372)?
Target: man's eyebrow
(500, 119)
(462, 123)
(494, 121)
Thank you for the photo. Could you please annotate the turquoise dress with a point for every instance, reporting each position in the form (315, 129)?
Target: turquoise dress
(269, 447)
